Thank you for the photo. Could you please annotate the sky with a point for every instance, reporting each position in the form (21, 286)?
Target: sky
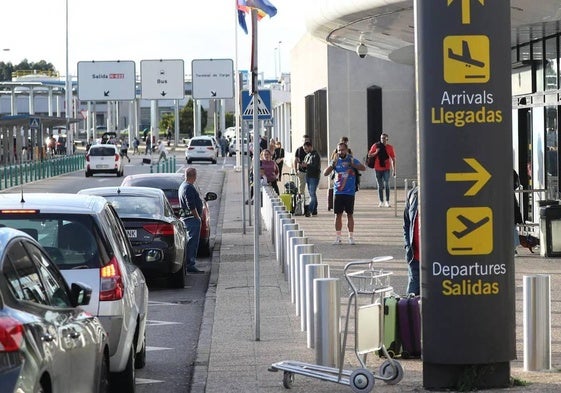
(111, 30)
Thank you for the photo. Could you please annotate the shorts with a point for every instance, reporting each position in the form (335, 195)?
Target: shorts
(343, 203)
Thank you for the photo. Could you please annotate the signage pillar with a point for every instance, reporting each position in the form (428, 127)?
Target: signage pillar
(466, 192)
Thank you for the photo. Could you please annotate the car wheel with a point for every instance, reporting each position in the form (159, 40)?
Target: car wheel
(124, 381)
(204, 248)
(189, 161)
(214, 161)
(88, 174)
(177, 279)
(103, 386)
(140, 358)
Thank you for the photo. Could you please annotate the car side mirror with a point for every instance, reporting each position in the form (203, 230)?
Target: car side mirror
(80, 294)
(211, 196)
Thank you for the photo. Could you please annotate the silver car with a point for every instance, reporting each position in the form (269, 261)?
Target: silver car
(85, 238)
(47, 342)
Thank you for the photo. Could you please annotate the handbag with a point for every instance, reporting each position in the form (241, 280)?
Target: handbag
(370, 161)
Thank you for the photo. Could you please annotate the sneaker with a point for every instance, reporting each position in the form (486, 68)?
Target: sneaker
(386, 204)
(337, 240)
(380, 204)
(351, 240)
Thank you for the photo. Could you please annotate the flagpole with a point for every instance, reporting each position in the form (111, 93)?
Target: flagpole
(256, 173)
(239, 141)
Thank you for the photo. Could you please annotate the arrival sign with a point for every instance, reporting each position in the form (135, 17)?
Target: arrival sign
(466, 192)
(106, 80)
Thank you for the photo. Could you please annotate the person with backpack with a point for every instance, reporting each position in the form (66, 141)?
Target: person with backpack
(384, 162)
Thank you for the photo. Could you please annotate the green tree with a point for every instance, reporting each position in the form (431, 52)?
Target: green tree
(6, 69)
(185, 120)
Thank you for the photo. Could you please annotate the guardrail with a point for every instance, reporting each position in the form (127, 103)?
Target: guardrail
(25, 172)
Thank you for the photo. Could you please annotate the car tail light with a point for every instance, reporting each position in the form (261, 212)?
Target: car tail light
(159, 229)
(191, 148)
(111, 287)
(87, 157)
(11, 334)
(210, 148)
(116, 157)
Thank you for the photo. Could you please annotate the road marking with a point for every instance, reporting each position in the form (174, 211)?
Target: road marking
(149, 348)
(161, 323)
(145, 381)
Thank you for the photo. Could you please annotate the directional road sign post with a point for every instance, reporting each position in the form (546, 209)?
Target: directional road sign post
(466, 192)
(162, 79)
(106, 81)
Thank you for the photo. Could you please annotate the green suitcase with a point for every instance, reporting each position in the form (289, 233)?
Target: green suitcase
(391, 341)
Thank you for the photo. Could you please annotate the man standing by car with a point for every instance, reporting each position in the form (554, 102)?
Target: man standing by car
(191, 210)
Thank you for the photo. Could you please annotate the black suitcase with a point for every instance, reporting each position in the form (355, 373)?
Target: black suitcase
(147, 161)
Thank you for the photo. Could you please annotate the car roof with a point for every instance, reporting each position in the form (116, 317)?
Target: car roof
(124, 190)
(202, 137)
(155, 180)
(53, 202)
(7, 234)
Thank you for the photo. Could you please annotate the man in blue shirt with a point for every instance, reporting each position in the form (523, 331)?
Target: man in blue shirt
(191, 211)
(345, 167)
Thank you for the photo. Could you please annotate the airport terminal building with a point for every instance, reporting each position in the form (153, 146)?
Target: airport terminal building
(354, 75)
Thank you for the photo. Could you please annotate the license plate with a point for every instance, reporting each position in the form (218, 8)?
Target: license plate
(103, 166)
(131, 233)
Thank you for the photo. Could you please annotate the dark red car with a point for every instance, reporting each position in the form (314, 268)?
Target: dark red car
(169, 183)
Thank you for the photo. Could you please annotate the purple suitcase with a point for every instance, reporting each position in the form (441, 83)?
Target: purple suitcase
(409, 326)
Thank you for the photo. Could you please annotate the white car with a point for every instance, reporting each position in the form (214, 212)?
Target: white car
(201, 148)
(233, 148)
(87, 241)
(104, 158)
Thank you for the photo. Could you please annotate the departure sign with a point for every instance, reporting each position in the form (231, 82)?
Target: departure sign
(466, 193)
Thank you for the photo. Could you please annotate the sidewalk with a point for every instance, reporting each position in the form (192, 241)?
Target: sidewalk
(230, 359)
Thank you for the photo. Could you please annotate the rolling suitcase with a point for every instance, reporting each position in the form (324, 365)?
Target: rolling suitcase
(287, 201)
(409, 325)
(147, 161)
(391, 340)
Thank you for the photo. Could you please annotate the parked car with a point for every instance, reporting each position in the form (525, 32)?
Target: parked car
(157, 235)
(233, 148)
(169, 183)
(104, 159)
(201, 148)
(85, 238)
(47, 342)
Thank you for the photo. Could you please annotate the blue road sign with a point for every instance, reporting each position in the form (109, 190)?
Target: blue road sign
(263, 105)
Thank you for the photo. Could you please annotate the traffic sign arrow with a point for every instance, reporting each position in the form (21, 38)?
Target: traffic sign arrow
(466, 10)
(480, 176)
(163, 93)
(106, 93)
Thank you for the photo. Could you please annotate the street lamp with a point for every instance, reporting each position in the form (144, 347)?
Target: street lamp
(68, 95)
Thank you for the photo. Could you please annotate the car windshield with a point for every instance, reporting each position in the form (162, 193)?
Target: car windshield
(201, 142)
(102, 151)
(71, 240)
(136, 206)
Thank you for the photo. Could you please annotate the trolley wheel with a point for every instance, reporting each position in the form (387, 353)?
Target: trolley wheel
(394, 372)
(288, 380)
(361, 381)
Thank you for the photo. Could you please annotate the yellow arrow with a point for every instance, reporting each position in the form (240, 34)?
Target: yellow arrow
(466, 10)
(480, 176)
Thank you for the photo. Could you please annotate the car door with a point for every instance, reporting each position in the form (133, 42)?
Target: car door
(81, 331)
(50, 327)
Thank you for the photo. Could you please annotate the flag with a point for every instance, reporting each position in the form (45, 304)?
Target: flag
(241, 20)
(263, 7)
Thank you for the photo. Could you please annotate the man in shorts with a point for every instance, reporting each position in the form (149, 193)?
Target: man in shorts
(345, 167)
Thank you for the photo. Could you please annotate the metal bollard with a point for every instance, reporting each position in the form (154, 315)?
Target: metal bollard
(278, 229)
(295, 272)
(537, 323)
(280, 237)
(305, 259)
(313, 271)
(289, 233)
(327, 313)
(276, 209)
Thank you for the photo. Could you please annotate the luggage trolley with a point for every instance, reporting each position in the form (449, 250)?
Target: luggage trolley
(368, 330)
